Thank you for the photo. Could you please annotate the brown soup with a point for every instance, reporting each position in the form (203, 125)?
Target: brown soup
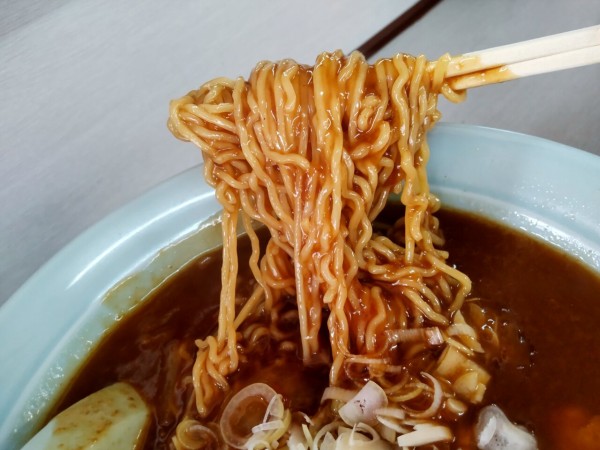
(546, 376)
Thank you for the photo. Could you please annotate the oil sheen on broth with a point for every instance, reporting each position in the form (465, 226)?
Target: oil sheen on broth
(543, 376)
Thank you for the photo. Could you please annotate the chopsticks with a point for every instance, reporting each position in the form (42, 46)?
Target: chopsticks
(547, 54)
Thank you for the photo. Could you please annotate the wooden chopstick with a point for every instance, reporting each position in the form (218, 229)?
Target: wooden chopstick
(523, 51)
(547, 54)
(552, 63)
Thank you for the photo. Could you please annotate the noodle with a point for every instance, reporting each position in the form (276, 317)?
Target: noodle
(314, 154)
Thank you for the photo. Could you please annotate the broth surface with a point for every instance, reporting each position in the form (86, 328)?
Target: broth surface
(545, 377)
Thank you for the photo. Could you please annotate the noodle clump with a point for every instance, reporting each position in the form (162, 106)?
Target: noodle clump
(313, 154)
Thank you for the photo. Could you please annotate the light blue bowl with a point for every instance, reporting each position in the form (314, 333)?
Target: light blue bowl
(47, 328)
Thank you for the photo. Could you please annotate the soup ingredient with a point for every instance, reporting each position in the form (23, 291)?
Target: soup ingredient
(355, 440)
(468, 378)
(495, 432)
(254, 415)
(115, 417)
(425, 434)
(364, 405)
(196, 435)
(337, 436)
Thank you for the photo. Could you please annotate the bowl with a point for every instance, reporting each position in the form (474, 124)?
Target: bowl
(47, 328)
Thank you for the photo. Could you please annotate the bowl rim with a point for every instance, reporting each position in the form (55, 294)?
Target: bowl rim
(565, 213)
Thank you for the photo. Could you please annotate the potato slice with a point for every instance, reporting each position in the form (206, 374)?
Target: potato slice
(115, 417)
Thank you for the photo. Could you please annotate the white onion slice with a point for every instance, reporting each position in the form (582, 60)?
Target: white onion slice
(328, 442)
(267, 426)
(321, 434)
(431, 335)
(297, 439)
(494, 431)
(363, 406)
(256, 441)
(461, 329)
(307, 435)
(387, 433)
(275, 408)
(337, 393)
(357, 439)
(192, 434)
(235, 407)
(395, 413)
(435, 403)
(389, 423)
(425, 434)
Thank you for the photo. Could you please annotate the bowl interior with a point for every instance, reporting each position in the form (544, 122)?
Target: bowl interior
(549, 190)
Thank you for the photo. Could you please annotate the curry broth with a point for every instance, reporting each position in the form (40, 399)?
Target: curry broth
(546, 373)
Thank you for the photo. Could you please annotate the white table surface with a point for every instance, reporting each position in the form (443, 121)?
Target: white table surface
(85, 86)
